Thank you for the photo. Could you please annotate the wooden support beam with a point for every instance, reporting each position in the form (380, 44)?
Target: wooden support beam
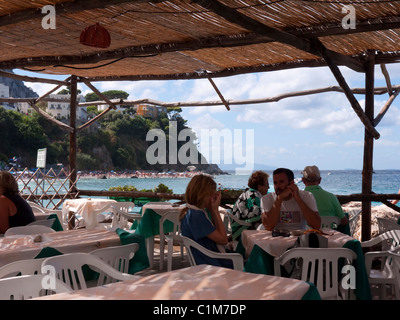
(62, 125)
(182, 104)
(31, 79)
(72, 135)
(94, 119)
(387, 79)
(226, 104)
(367, 172)
(352, 99)
(109, 102)
(386, 107)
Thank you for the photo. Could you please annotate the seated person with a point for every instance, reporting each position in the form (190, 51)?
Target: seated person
(327, 203)
(248, 207)
(288, 207)
(14, 210)
(202, 200)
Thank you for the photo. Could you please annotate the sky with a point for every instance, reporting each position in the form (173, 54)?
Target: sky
(320, 129)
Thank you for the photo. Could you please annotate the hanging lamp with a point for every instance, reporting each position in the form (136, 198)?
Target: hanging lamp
(95, 36)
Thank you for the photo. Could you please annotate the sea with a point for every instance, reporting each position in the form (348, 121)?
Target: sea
(339, 182)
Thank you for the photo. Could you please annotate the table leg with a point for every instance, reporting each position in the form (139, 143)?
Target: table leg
(71, 220)
(150, 250)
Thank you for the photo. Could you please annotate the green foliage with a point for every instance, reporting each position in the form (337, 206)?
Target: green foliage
(161, 188)
(115, 142)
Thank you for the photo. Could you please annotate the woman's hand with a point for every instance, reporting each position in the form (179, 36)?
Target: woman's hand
(215, 201)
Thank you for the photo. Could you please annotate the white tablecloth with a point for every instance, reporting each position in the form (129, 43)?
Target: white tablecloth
(19, 247)
(275, 246)
(161, 208)
(88, 208)
(196, 283)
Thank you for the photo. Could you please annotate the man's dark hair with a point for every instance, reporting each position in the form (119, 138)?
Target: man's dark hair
(289, 173)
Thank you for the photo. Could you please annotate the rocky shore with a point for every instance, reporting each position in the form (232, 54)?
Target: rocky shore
(380, 211)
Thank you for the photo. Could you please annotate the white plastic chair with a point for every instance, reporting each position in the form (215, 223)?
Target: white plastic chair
(39, 209)
(354, 216)
(28, 230)
(171, 238)
(232, 218)
(385, 275)
(30, 286)
(330, 222)
(47, 223)
(68, 268)
(320, 266)
(117, 257)
(122, 214)
(387, 225)
(23, 267)
(396, 272)
(236, 258)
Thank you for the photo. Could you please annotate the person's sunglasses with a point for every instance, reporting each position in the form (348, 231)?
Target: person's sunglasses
(280, 233)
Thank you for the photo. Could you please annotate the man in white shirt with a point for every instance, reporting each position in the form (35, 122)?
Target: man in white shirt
(288, 207)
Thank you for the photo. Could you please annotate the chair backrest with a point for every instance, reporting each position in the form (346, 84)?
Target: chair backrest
(395, 257)
(390, 240)
(331, 222)
(236, 258)
(30, 286)
(117, 257)
(28, 230)
(172, 216)
(21, 267)
(69, 268)
(121, 214)
(36, 208)
(45, 222)
(386, 225)
(320, 266)
(354, 217)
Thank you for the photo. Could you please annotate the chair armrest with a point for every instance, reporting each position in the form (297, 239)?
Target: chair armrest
(371, 243)
(100, 265)
(236, 258)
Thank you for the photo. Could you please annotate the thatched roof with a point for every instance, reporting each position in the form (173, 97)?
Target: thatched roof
(181, 38)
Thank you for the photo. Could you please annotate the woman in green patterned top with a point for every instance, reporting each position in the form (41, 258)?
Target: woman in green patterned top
(247, 206)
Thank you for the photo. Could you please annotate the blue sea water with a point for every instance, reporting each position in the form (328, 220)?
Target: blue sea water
(339, 182)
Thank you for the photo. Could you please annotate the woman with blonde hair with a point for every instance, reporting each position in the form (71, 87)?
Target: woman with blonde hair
(14, 210)
(202, 200)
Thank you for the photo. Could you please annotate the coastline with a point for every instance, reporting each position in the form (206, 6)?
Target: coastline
(136, 174)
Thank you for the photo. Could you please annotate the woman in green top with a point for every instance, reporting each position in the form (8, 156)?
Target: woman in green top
(247, 206)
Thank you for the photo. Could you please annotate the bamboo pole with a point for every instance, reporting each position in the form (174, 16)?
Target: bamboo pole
(72, 135)
(367, 171)
(219, 93)
(181, 104)
(342, 82)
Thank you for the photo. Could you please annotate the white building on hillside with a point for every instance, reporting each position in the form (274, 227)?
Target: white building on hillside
(61, 109)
